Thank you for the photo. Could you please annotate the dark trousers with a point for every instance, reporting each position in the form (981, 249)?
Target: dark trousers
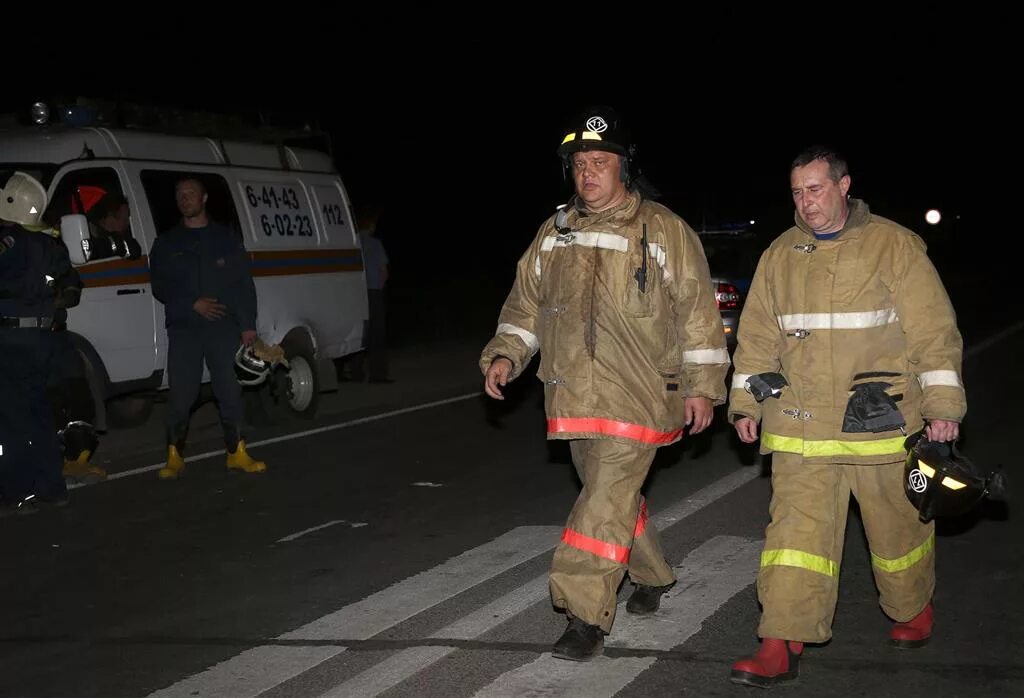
(216, 342)
(377, 334)
(68, 387)
(30, 462)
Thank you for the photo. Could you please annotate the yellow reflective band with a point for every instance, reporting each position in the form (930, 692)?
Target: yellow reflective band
(908, 560)
(797, 558)
(833, 447)
(953, 484)
(587, 136)
(928, 470)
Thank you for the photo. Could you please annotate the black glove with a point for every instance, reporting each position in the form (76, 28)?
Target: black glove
(765, 385)
(871, 409)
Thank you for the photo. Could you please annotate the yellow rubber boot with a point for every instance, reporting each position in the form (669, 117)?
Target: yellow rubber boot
(81, 470)
(175, 466)
(240, 460)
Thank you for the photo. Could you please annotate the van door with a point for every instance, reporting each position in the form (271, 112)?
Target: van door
(116, 313)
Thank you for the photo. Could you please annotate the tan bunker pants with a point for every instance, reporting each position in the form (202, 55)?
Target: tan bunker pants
(799, 578)
(607, 533)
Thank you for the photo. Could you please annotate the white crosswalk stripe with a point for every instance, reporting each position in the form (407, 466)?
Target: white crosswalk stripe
(707, 580)
(708, 577)
(262, 668)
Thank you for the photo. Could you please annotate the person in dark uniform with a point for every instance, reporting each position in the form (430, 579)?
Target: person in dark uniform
(201, 273)
(70, 396)
(31, 268)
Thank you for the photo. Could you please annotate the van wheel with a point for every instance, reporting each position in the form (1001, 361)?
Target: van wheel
(295, 390)
(128, 412)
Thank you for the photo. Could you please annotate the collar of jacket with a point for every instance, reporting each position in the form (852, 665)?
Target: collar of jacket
(622, 214)
(858, 219)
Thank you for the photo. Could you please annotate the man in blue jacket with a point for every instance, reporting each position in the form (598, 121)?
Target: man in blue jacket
(201, 273)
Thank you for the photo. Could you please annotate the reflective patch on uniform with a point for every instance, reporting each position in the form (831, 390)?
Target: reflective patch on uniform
(609, 551)
(838, 321)
(833, 447)
(657, 252)
(529, 338)
(604, 241)
(611, 427)
(641, 519)
(908, 560)
(739, 380)
(945, 377)
(797, 558)
(706, 356)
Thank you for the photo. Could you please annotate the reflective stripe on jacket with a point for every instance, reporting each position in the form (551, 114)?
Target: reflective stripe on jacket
(616, 361)
(866, 305)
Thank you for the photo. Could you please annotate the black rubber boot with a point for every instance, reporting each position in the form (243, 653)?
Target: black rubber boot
(645, 600)
(580, 642)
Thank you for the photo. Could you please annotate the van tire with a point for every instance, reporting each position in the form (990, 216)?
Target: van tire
(129, 412)
(294, 391)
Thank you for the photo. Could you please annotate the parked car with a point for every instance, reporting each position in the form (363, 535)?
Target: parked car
(732, 253)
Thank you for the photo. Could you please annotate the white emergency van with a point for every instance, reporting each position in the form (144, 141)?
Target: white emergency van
(289, 207)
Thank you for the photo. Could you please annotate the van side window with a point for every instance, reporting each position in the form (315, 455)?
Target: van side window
(95, 193)
(78, 191)
(159, 187)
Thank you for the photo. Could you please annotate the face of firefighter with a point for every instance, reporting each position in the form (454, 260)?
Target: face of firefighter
(191, 198)
(117, 222)
(820, 202)
(598, 184)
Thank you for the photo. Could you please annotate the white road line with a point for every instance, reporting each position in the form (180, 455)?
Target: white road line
(262, 668)
(299, 434)
(402, 665)
(994, 339)
(309, 530)
(708, 578)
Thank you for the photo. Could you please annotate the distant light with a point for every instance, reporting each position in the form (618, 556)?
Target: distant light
(933, 216)
(40, 113)
(752, 221)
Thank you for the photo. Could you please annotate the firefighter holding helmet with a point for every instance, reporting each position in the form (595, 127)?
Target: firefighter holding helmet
(847, 343)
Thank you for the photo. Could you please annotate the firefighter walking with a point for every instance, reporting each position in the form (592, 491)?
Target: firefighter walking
(616, 296)
(847, 343)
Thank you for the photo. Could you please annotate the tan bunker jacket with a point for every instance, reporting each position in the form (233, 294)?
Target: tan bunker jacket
(618, 355)
(866, 306)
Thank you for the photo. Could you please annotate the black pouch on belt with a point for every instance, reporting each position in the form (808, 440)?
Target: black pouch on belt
(871, 409)
(765, 385)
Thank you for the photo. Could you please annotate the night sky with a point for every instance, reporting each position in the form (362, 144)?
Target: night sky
(454, 144)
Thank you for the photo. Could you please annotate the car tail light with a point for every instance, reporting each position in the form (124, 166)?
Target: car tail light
(727, 296)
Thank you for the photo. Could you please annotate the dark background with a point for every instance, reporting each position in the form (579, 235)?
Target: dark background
(451, 138)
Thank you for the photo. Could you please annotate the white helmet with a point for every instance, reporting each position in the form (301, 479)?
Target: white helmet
(22, 200)
(249, 368)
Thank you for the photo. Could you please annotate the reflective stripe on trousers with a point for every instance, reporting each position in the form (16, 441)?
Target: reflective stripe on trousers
(607, 532)
(799, 577)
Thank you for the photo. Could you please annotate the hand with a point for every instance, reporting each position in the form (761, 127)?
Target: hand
(699, 413)
(746, 429)
(248, 337)
(942, 430)
(497, 377)
(209, 308)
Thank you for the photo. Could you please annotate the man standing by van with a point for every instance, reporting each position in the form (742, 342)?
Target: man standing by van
(200, 272)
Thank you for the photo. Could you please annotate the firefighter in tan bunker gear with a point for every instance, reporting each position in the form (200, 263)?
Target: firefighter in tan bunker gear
(847, 308)
(616, 295)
